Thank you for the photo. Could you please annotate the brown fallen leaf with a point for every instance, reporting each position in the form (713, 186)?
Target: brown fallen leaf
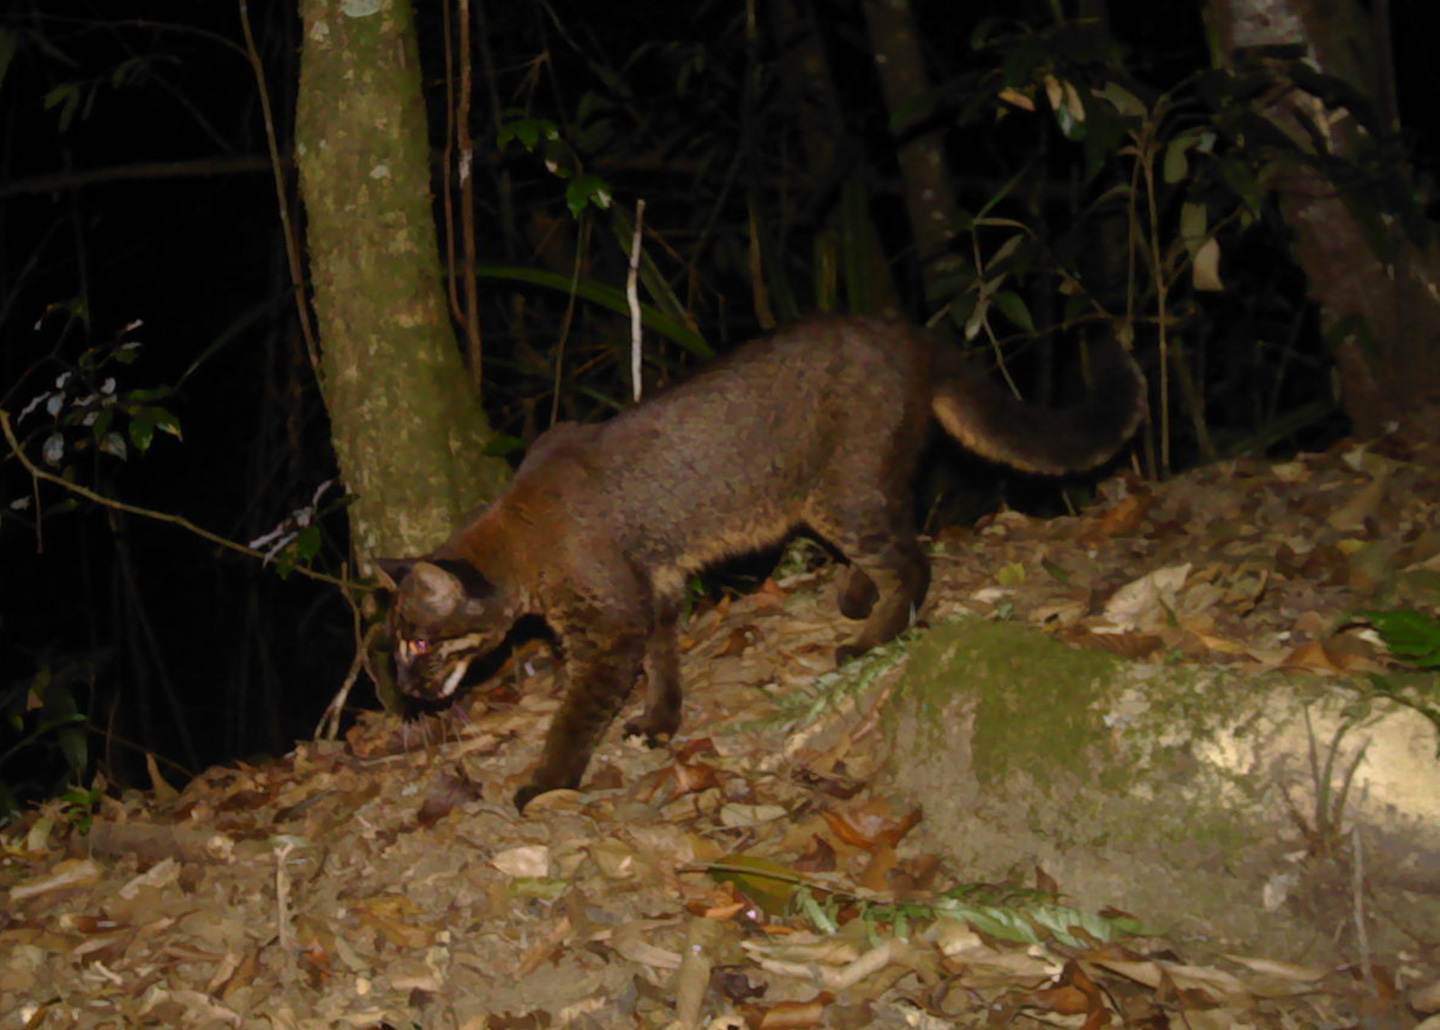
(819, 857)
(387, 914)
(1135, 646)
(729, 910)
(789, 1015)
(1073, 994)
(1045, 883)
(770, 597)
(741, 638)
(871, 824)
(1127, 515)
(315, 964)
(66, 874)
(1323, 656)
(876, 876)
(445, 793)
(692, 777)
(163, 791)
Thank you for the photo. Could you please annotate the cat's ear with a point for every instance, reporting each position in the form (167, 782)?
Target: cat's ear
(392, 571)
(442, 587)
(433, 590)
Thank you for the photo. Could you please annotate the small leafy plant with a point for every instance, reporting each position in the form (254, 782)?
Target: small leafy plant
(87, 407)
(1414, 638)
(72, 432)
(43, 715)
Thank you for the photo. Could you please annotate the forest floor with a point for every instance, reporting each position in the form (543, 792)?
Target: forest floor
(384, 880)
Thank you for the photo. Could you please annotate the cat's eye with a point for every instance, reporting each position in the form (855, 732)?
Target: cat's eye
(420, 646)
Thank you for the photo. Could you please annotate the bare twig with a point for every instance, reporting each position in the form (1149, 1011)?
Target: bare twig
(632, 297)
(447, 168)
(38, 473)
(329, 726)
(471, 322)
(287, 226)
(1362, 936)
(581, 244)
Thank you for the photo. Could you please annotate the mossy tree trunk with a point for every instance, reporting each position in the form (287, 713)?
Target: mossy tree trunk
(408, 430)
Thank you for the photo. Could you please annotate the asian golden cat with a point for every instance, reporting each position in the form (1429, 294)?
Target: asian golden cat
(820, 424)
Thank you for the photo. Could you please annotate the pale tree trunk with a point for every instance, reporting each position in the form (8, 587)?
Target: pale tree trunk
(1377, 286)
(408, 430)
(929, 195)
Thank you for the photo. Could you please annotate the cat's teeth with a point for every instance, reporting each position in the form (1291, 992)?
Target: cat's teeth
(453, 680)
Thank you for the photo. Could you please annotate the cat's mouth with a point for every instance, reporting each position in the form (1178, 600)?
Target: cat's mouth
(433, 669)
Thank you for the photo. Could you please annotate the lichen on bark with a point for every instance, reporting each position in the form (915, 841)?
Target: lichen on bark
(409, 433)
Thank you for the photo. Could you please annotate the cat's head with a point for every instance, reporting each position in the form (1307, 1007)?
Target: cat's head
(445, 615)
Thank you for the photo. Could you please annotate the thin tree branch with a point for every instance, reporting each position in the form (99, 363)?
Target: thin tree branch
(159, 516)
(287, 225)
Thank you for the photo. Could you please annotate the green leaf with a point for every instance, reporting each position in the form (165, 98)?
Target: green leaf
(653, 279)
(1002, 923)
(142, 430)
(307, 543)
(1408, 634)
(502, 445)
(821, 916)
(764, 881)
(962, 310)
(1193, 221)
(1058, 572)
(130, 70)
(66, 97)
(528, 132)
(73, 746)
(1011, 574)
(167, 423)
(607, 296)
(1012, 306)
(1177, 166)
(1127, 104)
(145, 420)
(101, 425)
(585, 190)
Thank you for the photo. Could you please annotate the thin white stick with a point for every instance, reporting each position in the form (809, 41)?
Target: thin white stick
(632, 296)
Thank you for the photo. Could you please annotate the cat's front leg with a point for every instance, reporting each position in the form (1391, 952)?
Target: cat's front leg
(601, 664)
(661, 717)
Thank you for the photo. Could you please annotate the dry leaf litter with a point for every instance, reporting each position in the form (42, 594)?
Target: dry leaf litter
(385, 881)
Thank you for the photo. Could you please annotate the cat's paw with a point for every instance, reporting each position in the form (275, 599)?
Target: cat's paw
(846, 652)
(527, 794)
(652, 735)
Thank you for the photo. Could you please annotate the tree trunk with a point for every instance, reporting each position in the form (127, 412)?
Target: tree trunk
(1371, 275)
(929, 195)
(809, 82)
(408, 430)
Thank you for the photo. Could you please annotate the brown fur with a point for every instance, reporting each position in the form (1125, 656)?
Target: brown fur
(821, 424)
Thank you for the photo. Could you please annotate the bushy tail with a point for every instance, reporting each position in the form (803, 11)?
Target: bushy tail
(983, 417)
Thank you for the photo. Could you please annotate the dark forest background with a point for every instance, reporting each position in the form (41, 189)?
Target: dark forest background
(150, 352)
